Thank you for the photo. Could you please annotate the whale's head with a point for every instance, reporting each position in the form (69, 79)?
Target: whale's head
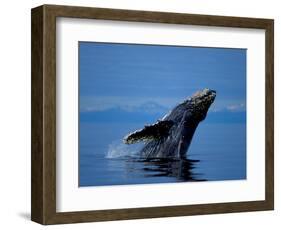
(194, 109)
(200, 103)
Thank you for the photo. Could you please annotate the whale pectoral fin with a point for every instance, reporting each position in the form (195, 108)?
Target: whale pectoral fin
(156, 131)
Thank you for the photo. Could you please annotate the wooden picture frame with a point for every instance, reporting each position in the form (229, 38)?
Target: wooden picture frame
(43, 160)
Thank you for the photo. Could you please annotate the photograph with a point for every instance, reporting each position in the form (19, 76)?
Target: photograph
(153, 113)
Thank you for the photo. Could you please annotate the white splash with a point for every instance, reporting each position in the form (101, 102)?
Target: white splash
(118, 149)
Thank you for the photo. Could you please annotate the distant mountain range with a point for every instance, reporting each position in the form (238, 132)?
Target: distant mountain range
(151, 112)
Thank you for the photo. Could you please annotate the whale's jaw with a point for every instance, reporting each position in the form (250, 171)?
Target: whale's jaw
(171, 137)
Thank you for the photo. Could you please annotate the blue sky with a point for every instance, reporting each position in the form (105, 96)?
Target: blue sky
(129, 76)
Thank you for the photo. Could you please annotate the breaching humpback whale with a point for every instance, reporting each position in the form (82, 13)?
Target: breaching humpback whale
(171, 136)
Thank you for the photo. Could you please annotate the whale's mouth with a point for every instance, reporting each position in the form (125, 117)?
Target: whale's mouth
(212, 95)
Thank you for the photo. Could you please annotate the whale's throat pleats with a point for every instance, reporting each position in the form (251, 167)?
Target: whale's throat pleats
(186, 134)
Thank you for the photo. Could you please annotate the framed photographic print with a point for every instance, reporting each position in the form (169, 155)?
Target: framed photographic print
(140, 114)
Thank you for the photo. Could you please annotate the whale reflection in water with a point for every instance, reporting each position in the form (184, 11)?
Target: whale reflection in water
(180, 169)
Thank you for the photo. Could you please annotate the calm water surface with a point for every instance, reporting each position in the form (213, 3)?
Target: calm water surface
(217, 152)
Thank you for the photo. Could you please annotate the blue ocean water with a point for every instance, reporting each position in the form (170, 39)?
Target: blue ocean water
(217, 152)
